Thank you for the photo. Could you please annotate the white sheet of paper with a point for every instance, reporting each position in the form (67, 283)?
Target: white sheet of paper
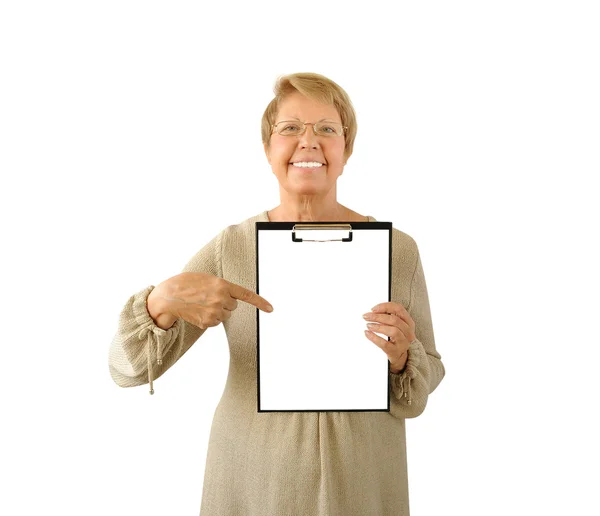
(313, 354)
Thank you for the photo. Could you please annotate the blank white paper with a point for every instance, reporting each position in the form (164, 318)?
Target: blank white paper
(312, 351)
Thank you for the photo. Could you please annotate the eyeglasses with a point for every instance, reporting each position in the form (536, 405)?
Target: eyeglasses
(296, 128)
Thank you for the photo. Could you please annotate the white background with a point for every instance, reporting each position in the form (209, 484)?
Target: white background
(130, 136)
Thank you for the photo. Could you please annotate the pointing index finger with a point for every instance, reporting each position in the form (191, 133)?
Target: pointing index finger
(243, 294)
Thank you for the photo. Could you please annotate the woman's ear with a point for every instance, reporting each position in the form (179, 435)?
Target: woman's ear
(267, 153)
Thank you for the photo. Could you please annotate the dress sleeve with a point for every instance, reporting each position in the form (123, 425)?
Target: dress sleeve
(424, 369)
(140, 351)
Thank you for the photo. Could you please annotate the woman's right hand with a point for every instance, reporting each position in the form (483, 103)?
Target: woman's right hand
(203, 299)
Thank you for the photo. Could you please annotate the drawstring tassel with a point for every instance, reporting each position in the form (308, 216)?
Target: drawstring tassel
(149, 367)
(409, 373)
(401, 387)
(147, 332)
(406, 392)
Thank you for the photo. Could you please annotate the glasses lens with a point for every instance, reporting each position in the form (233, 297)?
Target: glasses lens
(328, 129)
(288, 128)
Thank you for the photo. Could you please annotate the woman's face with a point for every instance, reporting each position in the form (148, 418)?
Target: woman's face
(285, 150)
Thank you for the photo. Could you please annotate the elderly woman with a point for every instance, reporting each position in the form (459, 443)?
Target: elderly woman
(290, 463)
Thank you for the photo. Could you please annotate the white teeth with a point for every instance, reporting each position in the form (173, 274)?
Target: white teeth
(307, 164)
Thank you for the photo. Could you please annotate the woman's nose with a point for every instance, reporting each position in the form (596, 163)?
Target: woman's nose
(309, 138)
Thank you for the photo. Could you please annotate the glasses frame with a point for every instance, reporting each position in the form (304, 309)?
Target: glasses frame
(304, 124)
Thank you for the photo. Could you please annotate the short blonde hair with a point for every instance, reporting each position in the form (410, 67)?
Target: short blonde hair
(318, 88)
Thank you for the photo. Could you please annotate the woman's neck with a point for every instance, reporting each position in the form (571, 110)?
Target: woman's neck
(343, 215)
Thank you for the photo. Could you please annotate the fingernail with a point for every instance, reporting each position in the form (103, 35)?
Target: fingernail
(269, 308)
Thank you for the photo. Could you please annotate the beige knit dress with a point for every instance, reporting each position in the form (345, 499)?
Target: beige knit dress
(289, 463)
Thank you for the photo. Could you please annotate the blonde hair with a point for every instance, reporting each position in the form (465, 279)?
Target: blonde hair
(318, 88)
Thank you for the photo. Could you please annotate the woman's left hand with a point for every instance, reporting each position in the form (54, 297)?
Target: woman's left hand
(395, 322)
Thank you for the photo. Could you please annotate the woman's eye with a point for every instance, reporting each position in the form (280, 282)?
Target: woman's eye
(327, 129)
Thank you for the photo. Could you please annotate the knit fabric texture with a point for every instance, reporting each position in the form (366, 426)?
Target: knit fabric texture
(289, 463)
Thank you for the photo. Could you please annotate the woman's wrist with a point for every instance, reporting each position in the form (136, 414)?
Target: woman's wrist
(399, 368)
(157, 309)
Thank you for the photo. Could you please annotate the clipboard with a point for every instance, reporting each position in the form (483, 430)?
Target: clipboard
(312, 352)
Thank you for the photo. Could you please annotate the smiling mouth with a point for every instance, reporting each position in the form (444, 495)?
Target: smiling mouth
(308, 167)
